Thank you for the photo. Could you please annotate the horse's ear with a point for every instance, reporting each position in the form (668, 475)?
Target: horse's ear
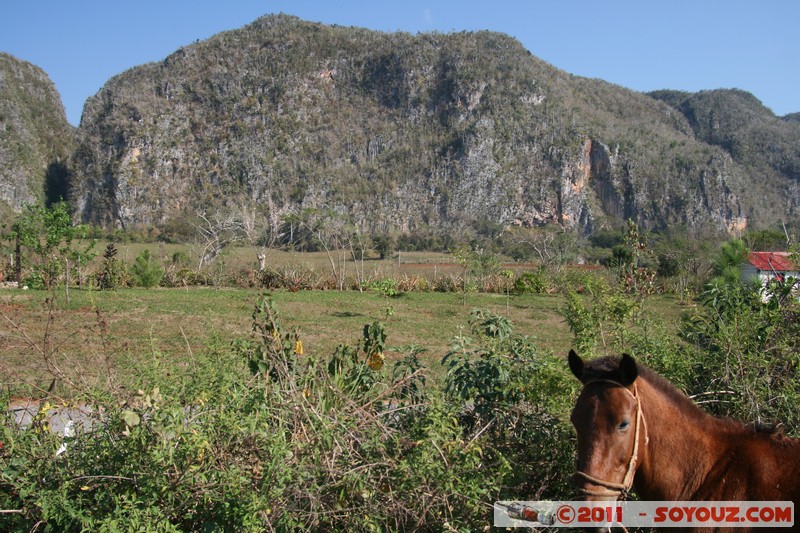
(575, 364)
(628, 370)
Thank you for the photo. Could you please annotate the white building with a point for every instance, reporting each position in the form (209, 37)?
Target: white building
(761, 267)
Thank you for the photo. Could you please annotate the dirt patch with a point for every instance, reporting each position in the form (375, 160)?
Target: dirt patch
(8, 309)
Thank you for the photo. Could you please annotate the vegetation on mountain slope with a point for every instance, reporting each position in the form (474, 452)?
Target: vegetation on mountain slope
(286, 124)
(393, 132)
(36, 141)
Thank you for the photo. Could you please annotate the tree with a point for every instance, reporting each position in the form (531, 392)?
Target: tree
(146, 271)
(728, 263)
(114, 273)
(47, 234)
(476, 262)
(550, 247)
(767, 240)
(334, 233)
(632, 258)
(215, 233)
(384, 245)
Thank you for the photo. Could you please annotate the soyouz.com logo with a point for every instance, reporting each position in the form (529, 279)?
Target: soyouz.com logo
(643, 514)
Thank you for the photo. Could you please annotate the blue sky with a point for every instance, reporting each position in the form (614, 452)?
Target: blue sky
(644, 45)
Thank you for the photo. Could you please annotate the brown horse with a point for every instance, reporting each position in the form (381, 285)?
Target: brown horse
(637, 430)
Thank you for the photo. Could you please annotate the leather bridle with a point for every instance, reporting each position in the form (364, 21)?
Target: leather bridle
(618, 490)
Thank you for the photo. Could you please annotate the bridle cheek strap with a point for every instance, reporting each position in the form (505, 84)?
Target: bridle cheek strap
(619, 490)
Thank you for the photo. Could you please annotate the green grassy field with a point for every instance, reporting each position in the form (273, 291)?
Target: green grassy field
(427, 264)
(109, 332)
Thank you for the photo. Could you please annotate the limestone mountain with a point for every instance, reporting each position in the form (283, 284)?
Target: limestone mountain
(765, 146)
(36, 141)
(396, 131)
(400, 132)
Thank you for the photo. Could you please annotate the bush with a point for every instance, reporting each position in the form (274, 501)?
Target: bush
(582, 281)
(261, 436)
(290, 278)
(175, 276)
(447, 284)
(114, 273)
(408, 283)
(387, 287)
(518, 399)
(605, 319)
(146, 271)
(750, 349)
(536, 282)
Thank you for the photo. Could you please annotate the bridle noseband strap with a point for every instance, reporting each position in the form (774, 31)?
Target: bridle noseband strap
(620, 490)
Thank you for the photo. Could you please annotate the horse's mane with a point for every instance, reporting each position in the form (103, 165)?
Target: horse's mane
(607, 368)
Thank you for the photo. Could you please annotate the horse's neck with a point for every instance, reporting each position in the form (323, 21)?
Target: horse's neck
(678, 454)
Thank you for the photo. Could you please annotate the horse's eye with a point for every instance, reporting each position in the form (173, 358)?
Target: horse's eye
(624, 425)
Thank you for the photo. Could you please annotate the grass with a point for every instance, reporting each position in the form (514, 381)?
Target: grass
(426, 264)
(100, 334)
(127, 325)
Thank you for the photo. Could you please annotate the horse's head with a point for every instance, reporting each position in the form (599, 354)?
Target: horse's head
(609, 424)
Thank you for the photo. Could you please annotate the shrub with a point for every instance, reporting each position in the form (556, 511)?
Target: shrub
(748, 348)
(387, 287)
(517, 398)
(114, 274)
(581, 281)
(45, 236)
(536, 282)
(447, 284)
(408, 283)
(290, 278)
(299, 442)
(603, 318)
(146, 271)
(184, 277)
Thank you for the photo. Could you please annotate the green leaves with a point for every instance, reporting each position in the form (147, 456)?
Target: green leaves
(301, 442)
(271, 352)
(728, 263)
(491, 325)
(131, 418)
(748, 347)
(46, 236)
(146, 271)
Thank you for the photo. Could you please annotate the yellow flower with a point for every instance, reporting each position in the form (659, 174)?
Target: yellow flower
(298, 347)
(375, 361)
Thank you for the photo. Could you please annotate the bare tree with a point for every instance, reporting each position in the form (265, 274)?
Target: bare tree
(327, 228)
(265, 244)
(550, 247)
(332, 232)
(215, 233)
(357, 243)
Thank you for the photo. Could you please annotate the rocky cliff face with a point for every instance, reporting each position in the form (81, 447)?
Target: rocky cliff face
(35, 139)
(401, 132)
(393, 130)
(766, 147)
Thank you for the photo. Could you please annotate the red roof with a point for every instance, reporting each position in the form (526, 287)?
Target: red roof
(769, 261)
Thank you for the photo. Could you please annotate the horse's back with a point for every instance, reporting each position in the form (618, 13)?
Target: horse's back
(771, 468)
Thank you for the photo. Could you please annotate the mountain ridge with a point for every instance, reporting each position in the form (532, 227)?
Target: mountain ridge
(36, 141)
(400, 132)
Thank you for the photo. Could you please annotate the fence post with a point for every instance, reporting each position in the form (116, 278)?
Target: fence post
(66, 280)
(18, 264)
